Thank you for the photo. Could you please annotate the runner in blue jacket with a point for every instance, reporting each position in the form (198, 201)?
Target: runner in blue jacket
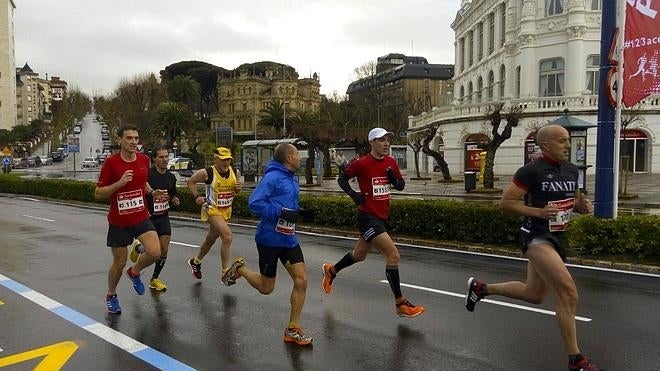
(275, 200)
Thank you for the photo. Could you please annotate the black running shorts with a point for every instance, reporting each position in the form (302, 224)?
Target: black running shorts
(268, 257)
(370, 226)
(162, 225)
(123, 236)
(528, 240)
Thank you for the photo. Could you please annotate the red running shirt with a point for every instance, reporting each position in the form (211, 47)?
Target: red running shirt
(128, 206)
(374, 185)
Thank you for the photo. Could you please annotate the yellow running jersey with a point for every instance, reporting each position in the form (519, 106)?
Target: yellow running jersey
(220, 192)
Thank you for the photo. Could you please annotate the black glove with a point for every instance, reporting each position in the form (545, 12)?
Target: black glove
(307, 214)
(397, 183)
(391, 176)
(357, 197)
(289, 215)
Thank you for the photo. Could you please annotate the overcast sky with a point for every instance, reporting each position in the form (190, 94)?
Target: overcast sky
(93, 44)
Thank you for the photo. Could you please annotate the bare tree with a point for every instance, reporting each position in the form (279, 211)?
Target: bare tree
(432, 131)
(512, 117)
(415, 142)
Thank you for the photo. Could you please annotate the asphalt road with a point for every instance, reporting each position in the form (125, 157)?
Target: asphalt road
(53, 269)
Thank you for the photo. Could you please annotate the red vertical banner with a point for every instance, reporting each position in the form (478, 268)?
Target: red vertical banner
(641, 76)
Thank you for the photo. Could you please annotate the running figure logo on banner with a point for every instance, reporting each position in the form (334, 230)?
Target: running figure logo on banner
(641, 51)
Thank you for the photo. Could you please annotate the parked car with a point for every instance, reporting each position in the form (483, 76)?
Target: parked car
(180, 163)
(101, 158)
(57, 156)
(22, 163)
(32, 161)
(46, 160)
(89, 162)
(77, 129)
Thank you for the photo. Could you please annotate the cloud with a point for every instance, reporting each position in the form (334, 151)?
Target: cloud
(94, 44)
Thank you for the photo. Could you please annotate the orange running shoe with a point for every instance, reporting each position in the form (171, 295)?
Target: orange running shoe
(326, 281)
(295, 335)
(408, 309)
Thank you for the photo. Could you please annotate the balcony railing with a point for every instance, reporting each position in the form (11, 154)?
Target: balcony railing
(576, 104)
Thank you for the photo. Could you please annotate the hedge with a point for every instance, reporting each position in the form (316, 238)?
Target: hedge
(448, 220)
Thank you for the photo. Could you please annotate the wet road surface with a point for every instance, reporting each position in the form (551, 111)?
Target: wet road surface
(58, 252)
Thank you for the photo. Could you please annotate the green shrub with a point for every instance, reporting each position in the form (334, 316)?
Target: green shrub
(472, 222)
(635, 235)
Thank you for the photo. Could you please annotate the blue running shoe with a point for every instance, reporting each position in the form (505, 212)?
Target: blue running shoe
(112, 302)
(138, 287)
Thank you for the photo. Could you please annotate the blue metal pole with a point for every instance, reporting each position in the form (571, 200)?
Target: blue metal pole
(604, 197)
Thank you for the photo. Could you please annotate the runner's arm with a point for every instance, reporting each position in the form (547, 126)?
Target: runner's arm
(200, 176)
(512, 202)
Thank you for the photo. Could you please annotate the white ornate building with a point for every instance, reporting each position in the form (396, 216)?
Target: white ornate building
(7, 66)
(543, 55)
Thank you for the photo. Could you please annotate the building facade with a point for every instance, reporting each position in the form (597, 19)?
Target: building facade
(29, 95)
(399, 87)
(7, 66)
(243, 96)
(544, 56)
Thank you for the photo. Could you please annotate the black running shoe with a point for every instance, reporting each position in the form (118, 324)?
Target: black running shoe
(475, 290)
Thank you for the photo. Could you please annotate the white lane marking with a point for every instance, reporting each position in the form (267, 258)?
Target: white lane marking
(497, 302)
(42, 300)
(38, 218)
(183, 244)
(115, 337)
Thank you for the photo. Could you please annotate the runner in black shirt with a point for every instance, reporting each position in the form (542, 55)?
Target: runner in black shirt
(548, 186)
(159, 178)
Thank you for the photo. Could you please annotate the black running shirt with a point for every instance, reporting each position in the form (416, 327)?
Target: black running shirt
(547, 181)
(161, 181)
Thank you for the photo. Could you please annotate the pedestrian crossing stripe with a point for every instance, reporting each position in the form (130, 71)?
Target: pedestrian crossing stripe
(56, 356)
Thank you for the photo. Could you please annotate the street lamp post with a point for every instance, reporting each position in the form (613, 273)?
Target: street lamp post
(284, 127)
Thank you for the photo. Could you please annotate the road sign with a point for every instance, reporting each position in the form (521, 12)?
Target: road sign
(6, 151)
(6, 161)
(74, 144)
(139, 147)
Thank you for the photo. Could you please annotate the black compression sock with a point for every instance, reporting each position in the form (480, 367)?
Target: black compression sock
(160, 263)
(346, 261)
(392, 274)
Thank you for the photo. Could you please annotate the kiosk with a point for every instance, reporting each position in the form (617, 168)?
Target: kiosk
(577, 129)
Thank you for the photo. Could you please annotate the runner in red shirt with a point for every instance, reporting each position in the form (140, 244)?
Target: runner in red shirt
(123, 180)
(376, 172)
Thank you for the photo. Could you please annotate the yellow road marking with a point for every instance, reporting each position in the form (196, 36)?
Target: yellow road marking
(56, 356)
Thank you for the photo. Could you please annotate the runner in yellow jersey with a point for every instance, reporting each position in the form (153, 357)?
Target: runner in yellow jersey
(222, 184)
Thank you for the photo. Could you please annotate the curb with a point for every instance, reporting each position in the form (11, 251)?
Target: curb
(409, 241)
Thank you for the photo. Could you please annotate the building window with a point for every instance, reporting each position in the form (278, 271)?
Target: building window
(470, 91)
(502, 80)
(551, 78)
(462, 94)
(29, 109)
(470, 48)
(461, 61)
(593, 74)
(518, 82)
(503, 27)
(29, 88)
(480, 41)
(480, 88)
(596, 4)
(244, 106)
(491, 32)
(554, 7)
(491, 83)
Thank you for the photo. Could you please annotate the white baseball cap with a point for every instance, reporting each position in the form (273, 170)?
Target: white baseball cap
(376, 133)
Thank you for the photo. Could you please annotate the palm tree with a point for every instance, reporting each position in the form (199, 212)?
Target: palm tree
(273, 116)
(184, 89)
(172, 120)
